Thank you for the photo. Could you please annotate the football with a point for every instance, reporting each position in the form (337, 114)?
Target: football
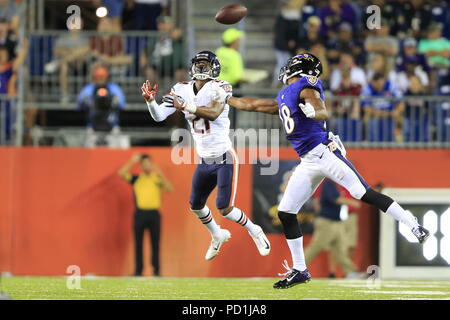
(231, 14)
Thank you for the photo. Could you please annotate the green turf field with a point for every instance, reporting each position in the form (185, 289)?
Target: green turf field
(216, 289)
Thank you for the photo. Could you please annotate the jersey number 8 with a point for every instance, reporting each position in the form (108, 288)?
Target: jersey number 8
(288, 122)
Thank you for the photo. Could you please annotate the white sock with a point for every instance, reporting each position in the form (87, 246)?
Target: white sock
(237, 215)
(298, 257)
(208, 221)
(399, 214)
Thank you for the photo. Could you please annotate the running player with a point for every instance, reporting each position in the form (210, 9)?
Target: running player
(302, 111)
(210, 125)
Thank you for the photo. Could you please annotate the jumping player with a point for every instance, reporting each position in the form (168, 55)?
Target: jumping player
(210, 125)
(302, 111)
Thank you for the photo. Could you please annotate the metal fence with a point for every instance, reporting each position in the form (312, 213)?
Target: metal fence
(53, 81)
(60, 62)
(411, 122)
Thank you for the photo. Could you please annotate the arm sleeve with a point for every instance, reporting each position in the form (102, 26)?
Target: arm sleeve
(159, 112)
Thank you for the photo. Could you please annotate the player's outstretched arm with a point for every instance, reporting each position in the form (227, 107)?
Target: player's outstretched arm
(269, 106)
(314, 107)
(158, 113)
(210, 112)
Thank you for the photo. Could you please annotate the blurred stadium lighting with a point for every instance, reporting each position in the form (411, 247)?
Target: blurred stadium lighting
(101, 12)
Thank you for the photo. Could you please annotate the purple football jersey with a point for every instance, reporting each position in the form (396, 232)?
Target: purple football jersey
(302, 132)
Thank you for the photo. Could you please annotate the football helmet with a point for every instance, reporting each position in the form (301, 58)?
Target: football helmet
(304, 64)
(200, 72)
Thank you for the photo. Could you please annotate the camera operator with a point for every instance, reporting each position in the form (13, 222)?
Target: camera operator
(102, 100)
(147, 187)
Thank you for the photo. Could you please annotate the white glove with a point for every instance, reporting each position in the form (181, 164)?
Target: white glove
(219, 94)
(308, 110)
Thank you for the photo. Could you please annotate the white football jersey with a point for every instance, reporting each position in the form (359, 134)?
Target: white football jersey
(211, 137)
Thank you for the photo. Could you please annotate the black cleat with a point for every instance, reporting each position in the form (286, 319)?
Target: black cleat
(293, 278)
(421, 234)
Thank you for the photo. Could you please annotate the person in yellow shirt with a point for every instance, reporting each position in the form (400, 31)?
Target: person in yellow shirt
(232, 67)
(147, 187)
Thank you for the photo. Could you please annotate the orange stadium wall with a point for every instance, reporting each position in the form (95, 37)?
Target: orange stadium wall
(62, 207)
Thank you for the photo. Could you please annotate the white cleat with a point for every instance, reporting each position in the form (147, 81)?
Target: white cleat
(261, 241)
(216, 243)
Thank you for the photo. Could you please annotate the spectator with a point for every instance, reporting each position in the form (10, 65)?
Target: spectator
(7, 38)
(9, 67)
(8, 79)
(410, 55)
(102, 100)
(346, 62)
(312, 35)
(382, 43)
(309, 9)
(419, 14)
(382, 116)
(164, 55)
(416, 126)
(319, 51)
(147, 189)
(115, 9)
(329, 229)
(381, 64)
(350, 226)
(232, 66)
(411, 71)
(435, 47)
(333, 14)
(286, 32)
(146, 13)
(108, 48)
(345, 42)
(9, 11)
(71, 51)
(347, 111)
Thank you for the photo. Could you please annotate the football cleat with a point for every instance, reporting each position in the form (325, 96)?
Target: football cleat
(261, 241)
(293, 278)
(421, 233)
(216, 243)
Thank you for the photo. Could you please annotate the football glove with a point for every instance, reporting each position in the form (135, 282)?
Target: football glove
(175, 101)
(308, 109)
(168, 101)
(149, 92)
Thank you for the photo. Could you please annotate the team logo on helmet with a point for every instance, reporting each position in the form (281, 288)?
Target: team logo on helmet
(210, 70)
(312, 80)
(302, 65)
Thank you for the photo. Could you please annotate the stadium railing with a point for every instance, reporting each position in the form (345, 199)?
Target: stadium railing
(424, 122)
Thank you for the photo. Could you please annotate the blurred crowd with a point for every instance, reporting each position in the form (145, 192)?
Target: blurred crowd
(403, 51)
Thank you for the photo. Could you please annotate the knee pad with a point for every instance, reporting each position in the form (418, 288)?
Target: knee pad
(379, 200)
(290, 224)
